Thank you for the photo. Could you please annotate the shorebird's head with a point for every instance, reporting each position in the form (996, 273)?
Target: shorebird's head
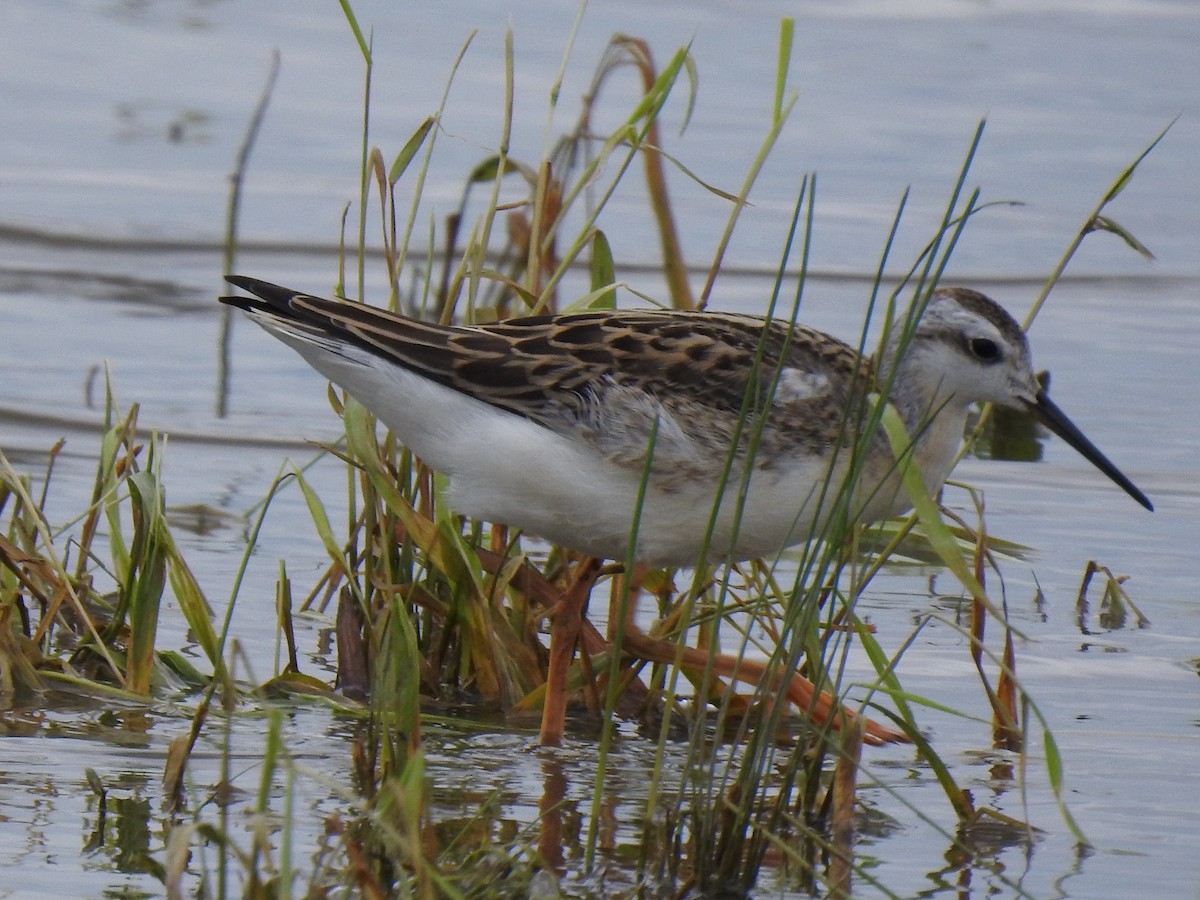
(965, 349)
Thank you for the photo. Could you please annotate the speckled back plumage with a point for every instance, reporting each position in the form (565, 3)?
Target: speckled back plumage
(610, 375)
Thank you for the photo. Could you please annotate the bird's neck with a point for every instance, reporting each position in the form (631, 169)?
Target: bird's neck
(933, 416)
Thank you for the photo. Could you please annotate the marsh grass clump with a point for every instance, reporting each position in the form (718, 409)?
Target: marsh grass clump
(82, 600)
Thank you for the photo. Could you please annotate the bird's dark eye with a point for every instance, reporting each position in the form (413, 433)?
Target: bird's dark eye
(984, 349)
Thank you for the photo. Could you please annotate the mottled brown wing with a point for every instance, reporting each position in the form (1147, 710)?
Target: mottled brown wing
(608, 376)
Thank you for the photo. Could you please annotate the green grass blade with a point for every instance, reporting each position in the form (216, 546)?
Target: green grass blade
(148, 577)
(603, 272)
(939, 535)
(363, 47)
(409, 150)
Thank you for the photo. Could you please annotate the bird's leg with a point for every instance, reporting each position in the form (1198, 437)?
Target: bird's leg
(798, 690)
(566, 620)
(546, 596)
(630, 581)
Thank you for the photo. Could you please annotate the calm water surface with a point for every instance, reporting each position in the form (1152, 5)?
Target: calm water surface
(118, 127)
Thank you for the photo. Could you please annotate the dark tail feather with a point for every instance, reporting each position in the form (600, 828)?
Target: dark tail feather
(267, 297)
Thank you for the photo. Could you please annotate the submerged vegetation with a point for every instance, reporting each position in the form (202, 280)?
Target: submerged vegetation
(737, 676)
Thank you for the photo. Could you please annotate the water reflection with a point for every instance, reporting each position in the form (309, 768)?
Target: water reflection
(151, 120)
(121, 829)
(1116, 606)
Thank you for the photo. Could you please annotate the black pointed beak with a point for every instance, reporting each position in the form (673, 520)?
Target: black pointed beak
(1056, 420)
